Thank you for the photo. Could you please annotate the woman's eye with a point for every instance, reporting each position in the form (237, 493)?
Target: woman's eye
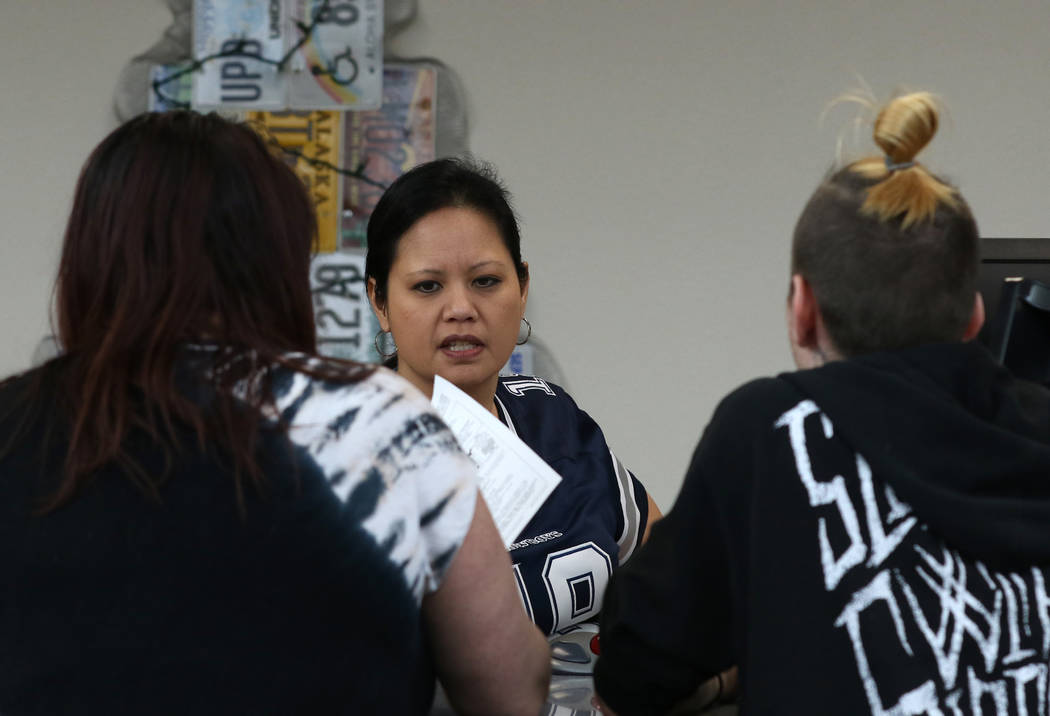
(487, 281)
(426, 286)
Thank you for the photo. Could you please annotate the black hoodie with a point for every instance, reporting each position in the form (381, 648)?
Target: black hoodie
(872, 536)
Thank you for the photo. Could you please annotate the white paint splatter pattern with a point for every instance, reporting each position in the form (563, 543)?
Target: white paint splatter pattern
(387, 455)
(972, 640)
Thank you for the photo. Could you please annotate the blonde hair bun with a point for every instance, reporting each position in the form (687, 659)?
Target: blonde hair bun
(904, 188)
(905, 125)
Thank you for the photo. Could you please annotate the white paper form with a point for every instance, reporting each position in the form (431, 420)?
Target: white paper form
(515, 481)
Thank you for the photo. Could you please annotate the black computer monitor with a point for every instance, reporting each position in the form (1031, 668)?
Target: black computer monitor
(1014, 281)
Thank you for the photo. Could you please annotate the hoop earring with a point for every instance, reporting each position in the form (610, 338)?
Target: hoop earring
(379, 349)
(528, 335)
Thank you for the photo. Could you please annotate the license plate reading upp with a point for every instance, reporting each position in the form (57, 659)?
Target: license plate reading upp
(248, 28)
(339, 66)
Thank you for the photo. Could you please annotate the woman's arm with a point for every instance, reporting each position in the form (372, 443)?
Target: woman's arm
(489, 657)
(653, 516)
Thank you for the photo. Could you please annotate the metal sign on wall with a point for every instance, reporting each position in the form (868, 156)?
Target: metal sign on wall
(310, 76)
(288, 54)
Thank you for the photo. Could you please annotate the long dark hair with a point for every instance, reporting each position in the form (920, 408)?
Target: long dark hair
(184, 227)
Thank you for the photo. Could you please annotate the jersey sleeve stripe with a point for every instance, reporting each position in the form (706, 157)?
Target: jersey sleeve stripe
(628, 539)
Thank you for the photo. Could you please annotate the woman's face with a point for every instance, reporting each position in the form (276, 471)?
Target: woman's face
(453, 303)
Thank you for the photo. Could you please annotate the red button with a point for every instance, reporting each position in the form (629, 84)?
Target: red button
(596, 647)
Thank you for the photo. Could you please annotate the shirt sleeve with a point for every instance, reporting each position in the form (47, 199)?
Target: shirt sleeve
(392, 462)
(626, 490)
(447, 497)
(633, 514)
(430, 480)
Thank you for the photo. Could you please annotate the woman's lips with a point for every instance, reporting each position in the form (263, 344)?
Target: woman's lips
(462, 346)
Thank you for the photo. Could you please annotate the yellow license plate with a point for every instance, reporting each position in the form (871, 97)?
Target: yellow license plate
(310, 140)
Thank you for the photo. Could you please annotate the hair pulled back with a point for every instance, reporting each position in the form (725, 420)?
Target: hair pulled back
(440, 184)
(889, 248)
(903, 127)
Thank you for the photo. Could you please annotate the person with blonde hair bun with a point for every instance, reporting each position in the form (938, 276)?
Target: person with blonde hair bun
(869, 533)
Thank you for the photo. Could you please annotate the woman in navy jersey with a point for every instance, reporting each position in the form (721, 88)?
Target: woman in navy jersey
(446, 279)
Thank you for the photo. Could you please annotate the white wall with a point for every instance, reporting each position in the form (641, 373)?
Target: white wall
(59, 62)
(659, 153)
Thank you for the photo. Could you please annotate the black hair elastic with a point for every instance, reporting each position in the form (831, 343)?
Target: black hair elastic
(894, 166)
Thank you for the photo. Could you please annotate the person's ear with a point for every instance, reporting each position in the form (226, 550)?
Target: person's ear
(378, 305)
(976, 318)
(802, 315)
(524, 285)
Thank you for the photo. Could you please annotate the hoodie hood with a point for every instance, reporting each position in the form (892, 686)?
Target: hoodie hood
(966, 444)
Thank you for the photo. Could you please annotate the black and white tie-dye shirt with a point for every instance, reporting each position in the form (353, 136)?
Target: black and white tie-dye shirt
(302, 597)
(395, 464)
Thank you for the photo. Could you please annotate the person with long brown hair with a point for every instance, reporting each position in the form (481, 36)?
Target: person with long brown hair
(202, 515)
(870, 533)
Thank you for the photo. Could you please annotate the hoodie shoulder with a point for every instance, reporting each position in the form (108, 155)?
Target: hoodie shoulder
(760, 401)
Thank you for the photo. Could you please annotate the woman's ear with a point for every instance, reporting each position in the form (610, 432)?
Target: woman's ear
(976, 318)
(524, 285)
(378, 305)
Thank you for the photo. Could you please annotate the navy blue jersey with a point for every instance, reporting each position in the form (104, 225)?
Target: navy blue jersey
(590, 524)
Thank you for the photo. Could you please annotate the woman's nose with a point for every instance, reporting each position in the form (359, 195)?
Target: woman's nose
(460, 305)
